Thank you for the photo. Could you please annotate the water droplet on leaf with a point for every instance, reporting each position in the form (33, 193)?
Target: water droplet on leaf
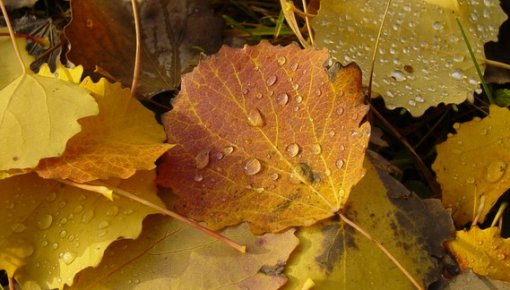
(281, 60)
(252, 166)
(495, 171)
(202, 159)
(255, 118)
(292, 150)
(339, 163)
(271, 80)
(316, 148)
(44, 221)
(228, 150)
(282, 99)
(68, 257)
(18, 227)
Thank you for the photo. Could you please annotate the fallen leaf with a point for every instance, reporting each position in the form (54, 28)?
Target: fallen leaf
(484, 251)
(335, 256)
(472, 165)
(174, 33)
(122, 139)
(52, 231)
(171, 255)
(468, 280)
(38, 115)
(265, 137)
(421, 44)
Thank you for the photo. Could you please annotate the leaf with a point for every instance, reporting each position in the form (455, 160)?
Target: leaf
(122, 139)
(420, 45)
(52, 231)
(472, 165)
(484, 251)
(265, 137)
(335, 256)
(171, 255)
(468, 280)
(37, 114)
(174, 33)
(502, 97)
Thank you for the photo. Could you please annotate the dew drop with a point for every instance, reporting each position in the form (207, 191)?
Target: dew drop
(44, 243)
(228, 150)
(294, 66)
(495, 171)
(198, 177)
(18, 227)
(281, 60)
(63, 233)
(245, 91)
(301, 172)
(62, 204)
(87, 216)
(318, 92)
(295, 86)
(255, 118)
(25, 251)
(470, 180)
(219, 155)
(274, 176)
(271, 80)
(78, 208)
(316, 148)
(292, 150)
(299, 99)
(44, 221)
(68, 257)
(54, 246)
(339, 163)
(437, 25)
(457, 74)
(103, 225)
(112, 211)
(202, 159)
(282, 99)
(340, 111)
(398, 76)
(341, 147)
(252, 166)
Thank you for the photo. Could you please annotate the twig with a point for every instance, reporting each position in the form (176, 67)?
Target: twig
(136, 70)
(13, 39)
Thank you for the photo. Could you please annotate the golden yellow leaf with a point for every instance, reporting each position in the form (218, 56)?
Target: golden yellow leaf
(334, 255)
(484, 251)
(51, 231)
(421, 44)
(471, 165)
(38, 115)
(123, 138)
(171, 255)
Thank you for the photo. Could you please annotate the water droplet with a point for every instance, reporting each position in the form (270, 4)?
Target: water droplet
(103, 225)
(202, 159)
(274, 176)
(228, 150)
(62, 204)
(332, 133)
(255, 118)
(44, 243)
(282, 99)
(457, 74)
(54, 246)
(437, 25)
(398, 76)
(339, 163)
(292, 150)
(299, 99)
(78, 208)
(341, 147)
(281, 60)
(219, 155)
(127, 211)
(87, 216)
(340, 111)
(301, 172)
(294, 66)
(63, 221)
(470, 180)
(68, 257)
(252, 166)
(245, 91)
(51, 197)
(198, 177)
(318, 92)
(18, 227)
(63, 233)
(316, 148)
(44, 221)
(271, 80)
(495, 171)
(295, 86)
(112, 211)
(25, 251)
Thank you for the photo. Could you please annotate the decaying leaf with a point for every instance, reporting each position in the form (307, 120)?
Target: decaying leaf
(171, 255)
(263, 134)
(484, 251)
(38, 115)
(175, 32)
(335, 256)
(471, 166)
(468, 280)
(123, 138)
(52, 231)
(421, 44)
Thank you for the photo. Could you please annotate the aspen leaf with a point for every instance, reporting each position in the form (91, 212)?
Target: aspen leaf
(472, 165)
(38, 115)
(123, 138)
(468, 280)
(484, 251)
(174, 33)
(335, 256)
(171, 255)
(266, 139)
(420, 44)
(52, 231)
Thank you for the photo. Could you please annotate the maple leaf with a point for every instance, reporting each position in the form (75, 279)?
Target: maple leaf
(472, 165)
(52, 231)
(171, 255)
(123, 138)
(264, 136)
(332, 254)
(33, 123)
(484, 251)
(102, 36)
(420, 44)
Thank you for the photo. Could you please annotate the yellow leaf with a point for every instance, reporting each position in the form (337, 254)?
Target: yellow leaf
(171, 255)
(421, 44)
(38, 115)
(335, 256)
(123, 138)
(52, 231)
(484, 251)
(472, 165)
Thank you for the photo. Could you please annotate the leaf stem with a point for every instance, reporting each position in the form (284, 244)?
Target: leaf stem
(383, 249)
(136, 70)
(13, 39)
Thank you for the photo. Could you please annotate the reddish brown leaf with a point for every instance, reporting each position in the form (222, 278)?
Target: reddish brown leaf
(264, 136)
